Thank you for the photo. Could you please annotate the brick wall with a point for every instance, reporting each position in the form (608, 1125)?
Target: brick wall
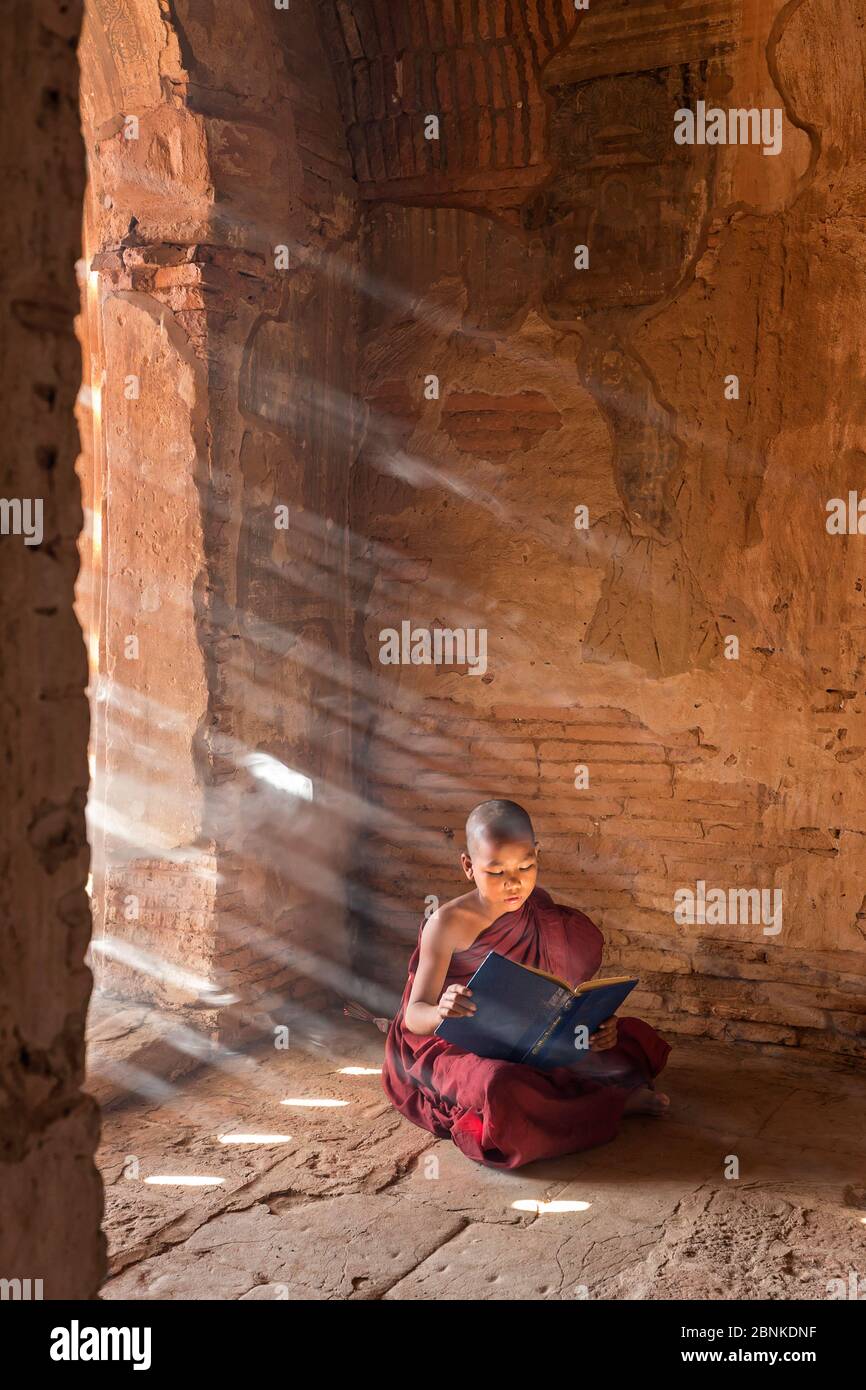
(243, 360)
(653, 819)
(702, 629)
(473, 64)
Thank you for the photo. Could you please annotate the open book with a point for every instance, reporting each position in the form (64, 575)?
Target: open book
(527, 1016)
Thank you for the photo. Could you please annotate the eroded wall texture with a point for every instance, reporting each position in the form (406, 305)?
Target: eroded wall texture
(221, 255)
(345, 370)
(653, 751)
(50, 1192)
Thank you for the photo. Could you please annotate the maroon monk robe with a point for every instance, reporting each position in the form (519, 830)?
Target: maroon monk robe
(505, 1114)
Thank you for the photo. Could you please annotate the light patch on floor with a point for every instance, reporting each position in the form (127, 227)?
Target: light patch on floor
(363, 1205)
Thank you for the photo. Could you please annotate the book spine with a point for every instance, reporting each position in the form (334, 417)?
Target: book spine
(537, 1048)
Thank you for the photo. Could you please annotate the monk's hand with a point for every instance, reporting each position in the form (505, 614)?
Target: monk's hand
(604, 1037)
(456, 1002)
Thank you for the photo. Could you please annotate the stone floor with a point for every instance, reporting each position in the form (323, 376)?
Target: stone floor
(359, 1204)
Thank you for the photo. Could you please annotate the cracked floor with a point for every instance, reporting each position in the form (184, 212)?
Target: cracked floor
(359, 1204)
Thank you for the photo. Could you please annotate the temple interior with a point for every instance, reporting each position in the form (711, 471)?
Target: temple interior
(419, 422)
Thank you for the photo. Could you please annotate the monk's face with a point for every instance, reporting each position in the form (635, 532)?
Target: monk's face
(504, 871)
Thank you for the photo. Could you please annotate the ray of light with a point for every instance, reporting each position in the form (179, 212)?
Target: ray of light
(277, 775)
(130, 1078)
(342, 979)
(548, 1208)
(254, 1138)
(147, 963)
(182, 1180)
(314, 1102)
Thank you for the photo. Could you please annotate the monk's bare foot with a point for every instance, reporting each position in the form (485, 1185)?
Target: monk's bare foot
(643, 1101)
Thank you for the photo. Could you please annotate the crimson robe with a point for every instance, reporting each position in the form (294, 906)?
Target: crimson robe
(505, 1114)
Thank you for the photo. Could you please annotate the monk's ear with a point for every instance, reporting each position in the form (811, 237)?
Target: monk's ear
(467, 865)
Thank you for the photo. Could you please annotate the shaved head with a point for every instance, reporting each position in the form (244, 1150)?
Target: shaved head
(498, 821)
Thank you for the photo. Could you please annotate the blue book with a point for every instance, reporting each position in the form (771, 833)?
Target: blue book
(524, 1015)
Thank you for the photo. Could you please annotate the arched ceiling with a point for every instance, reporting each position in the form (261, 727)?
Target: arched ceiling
(474, 63)
(483, 67)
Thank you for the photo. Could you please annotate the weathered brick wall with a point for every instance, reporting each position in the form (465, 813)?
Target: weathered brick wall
(472, 64)
(50, 1192)
(651, 818)
(222, 483)
(698, 643)
(502, 390)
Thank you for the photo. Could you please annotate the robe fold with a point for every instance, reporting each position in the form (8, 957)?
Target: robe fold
(505, 1114)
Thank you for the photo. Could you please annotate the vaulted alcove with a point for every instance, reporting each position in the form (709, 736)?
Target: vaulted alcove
(407, 328)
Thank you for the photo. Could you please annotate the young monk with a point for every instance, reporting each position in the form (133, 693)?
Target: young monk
(505, 1114)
